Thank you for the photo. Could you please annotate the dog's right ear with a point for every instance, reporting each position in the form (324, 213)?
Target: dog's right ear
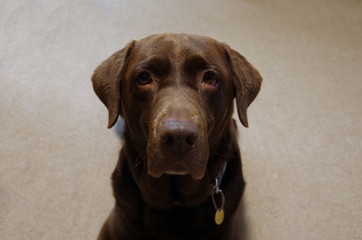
(107, 79)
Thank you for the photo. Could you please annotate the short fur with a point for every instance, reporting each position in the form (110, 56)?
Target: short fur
(175, 93)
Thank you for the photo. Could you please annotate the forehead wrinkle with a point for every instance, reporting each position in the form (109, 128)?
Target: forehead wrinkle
(153, 62)
(180, 50)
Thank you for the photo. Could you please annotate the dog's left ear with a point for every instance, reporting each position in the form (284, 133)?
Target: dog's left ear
(247, 82)
(107, 81)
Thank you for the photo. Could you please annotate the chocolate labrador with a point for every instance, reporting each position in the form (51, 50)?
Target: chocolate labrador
(179, 171)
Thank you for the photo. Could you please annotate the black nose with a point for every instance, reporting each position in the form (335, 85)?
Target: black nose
(179, 136)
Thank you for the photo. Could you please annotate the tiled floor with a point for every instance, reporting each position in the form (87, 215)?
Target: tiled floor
(302, 154)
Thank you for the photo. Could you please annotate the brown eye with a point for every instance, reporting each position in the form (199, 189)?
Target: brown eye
(144, 78)
(210, 78)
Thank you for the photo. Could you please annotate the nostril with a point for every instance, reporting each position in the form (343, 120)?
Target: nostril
(191, 140)
(167, 139)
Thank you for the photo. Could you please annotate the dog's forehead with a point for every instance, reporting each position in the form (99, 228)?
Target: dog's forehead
(177, 46)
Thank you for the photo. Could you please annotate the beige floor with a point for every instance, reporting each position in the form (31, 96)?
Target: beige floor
(302, 153)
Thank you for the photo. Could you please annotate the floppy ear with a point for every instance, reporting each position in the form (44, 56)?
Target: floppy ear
(107, 81)
(247, 82)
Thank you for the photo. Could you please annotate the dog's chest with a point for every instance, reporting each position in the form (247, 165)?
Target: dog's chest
(179, 222)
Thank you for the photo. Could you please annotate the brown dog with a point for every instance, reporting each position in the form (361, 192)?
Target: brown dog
(179, 171)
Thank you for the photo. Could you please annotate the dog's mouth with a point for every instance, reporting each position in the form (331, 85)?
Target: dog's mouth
(157, 170)
(156, 173)
(179, 171)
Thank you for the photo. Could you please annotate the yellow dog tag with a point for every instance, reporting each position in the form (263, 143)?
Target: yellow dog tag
(219, 216)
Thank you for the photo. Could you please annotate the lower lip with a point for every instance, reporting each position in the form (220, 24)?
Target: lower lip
(176, 173)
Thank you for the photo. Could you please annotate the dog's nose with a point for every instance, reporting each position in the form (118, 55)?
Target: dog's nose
(179, 136)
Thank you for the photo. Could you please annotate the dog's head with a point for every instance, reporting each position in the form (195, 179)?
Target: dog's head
(175, 93)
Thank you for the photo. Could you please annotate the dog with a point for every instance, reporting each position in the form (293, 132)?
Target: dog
(179, 173)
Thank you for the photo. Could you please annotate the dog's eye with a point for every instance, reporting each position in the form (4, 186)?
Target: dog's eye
(210, 78)
(144, 78)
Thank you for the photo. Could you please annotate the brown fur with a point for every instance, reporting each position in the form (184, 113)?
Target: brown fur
(175, 93)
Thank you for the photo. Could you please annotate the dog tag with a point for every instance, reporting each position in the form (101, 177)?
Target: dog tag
(219, 216)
